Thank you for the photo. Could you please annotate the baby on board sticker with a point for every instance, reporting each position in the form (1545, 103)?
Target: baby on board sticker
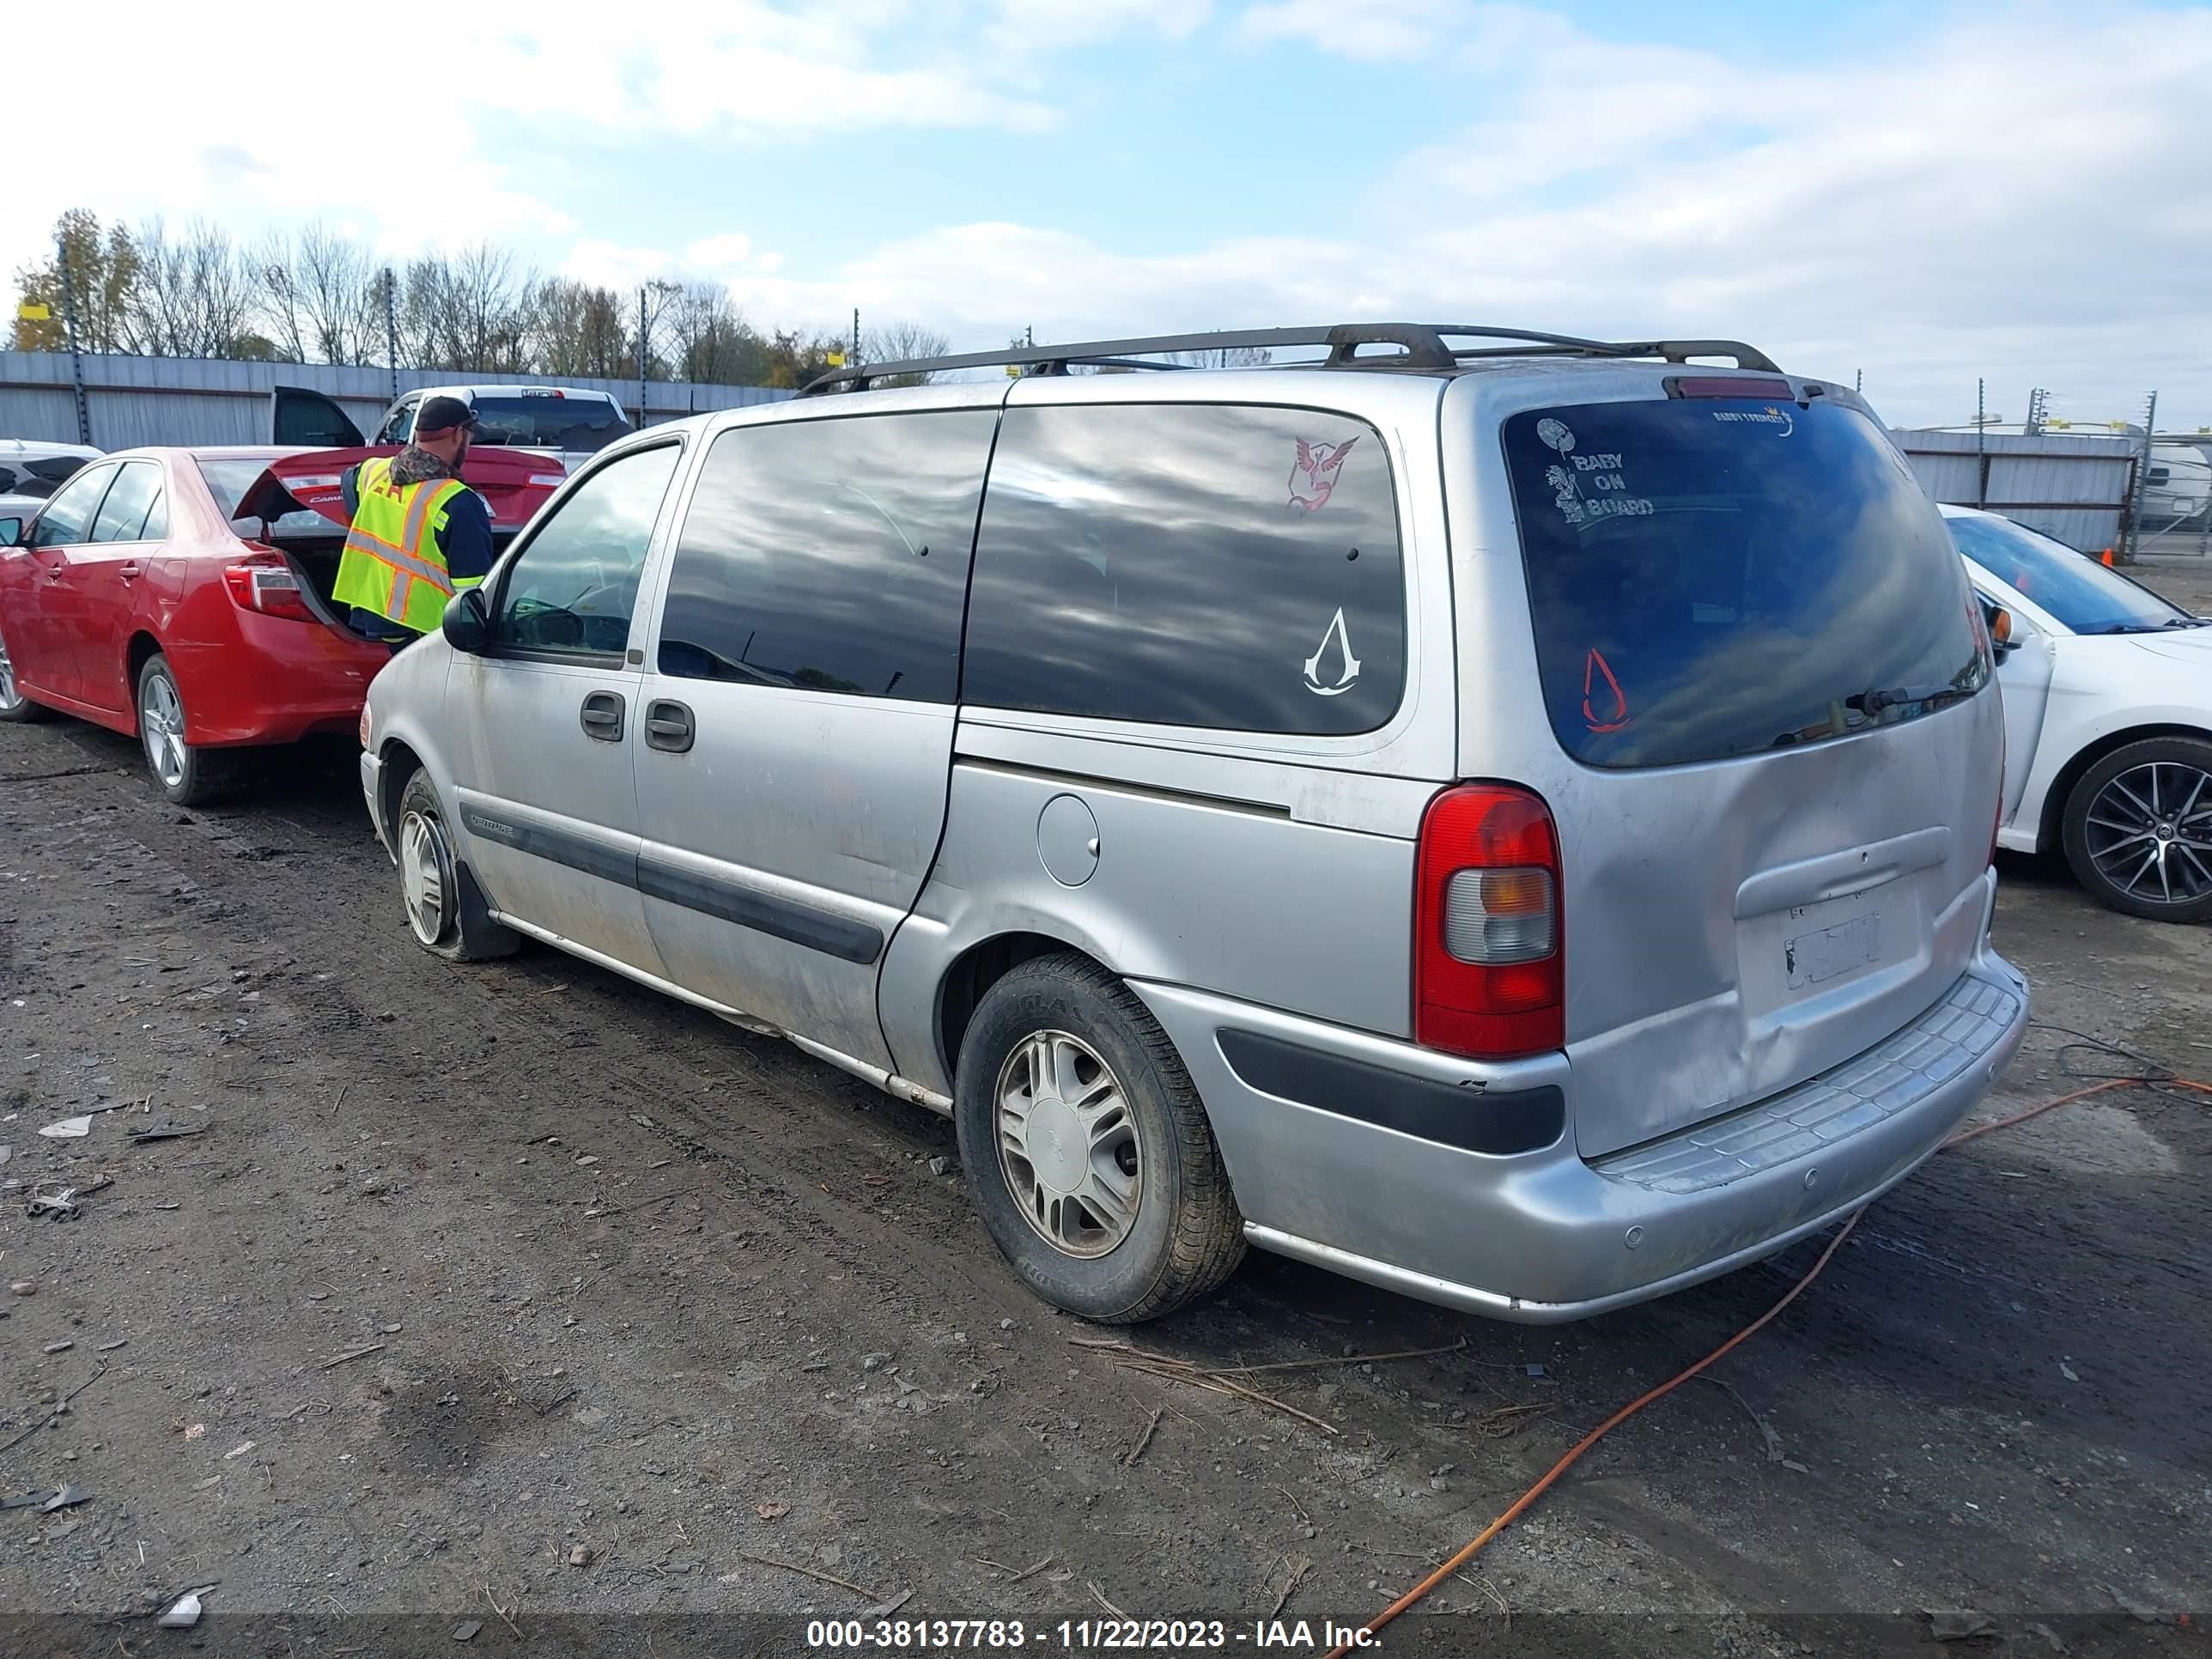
(1608, 484)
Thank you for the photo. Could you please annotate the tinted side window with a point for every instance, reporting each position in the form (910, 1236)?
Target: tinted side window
(574, 586)
(1190, 565)
(157, 519)
(830, 555)
(122, 513)
(68, 516)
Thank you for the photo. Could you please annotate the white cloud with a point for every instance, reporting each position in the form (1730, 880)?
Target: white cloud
(2009, 202)
(721, 252)
(197, 119)
(1032, 26)
(728, 256)
(1373, 30)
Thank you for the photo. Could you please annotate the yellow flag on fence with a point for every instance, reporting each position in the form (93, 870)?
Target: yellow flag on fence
(35, 310)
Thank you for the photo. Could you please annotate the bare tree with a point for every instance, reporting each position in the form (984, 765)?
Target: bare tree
(901, 342)
(713, 344)
(577, 329)
(339, 288)
(488, 297)
(1224, 357)
(283, 309)
(195, 293)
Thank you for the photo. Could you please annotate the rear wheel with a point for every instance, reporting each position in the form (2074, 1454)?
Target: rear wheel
(14, 705)
(189, 775)
(2138, 830)
(1087, 1149)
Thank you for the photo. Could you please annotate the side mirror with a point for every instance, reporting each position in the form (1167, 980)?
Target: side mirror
(2000, 622)
(466, 623)
(11, 532)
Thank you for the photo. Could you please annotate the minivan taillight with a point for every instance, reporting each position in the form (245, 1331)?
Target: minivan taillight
(1488, 952)
(272, 589)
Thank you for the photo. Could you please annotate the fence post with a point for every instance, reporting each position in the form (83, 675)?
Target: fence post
(2132, 547)
(391, 329)
(76, 355)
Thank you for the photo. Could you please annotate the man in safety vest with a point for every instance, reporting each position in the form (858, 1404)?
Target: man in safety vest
(419, 534)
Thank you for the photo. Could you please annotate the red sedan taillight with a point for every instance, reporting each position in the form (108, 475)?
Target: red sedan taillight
(271, 589)
(1489, 978)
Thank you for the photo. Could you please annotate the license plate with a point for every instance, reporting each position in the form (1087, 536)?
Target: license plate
(1811, 958)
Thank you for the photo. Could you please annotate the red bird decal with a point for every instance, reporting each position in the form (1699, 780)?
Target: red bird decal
(1314, 475)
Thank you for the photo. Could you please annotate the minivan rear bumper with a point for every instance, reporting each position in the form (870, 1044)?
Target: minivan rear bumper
(1542, 1236)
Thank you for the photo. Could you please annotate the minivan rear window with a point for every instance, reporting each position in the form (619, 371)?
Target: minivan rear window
(1712, 577)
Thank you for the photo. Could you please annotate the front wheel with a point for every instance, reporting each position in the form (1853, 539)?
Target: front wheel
(2138, 830)
(189, 775)
(1087, 1149)
(442, 910)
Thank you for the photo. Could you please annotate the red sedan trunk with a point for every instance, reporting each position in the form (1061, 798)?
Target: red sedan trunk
(138, 599)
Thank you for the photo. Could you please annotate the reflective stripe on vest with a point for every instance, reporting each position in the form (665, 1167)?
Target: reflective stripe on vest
(391, 563)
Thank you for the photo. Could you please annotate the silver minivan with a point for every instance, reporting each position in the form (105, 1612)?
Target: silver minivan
(1502, 817)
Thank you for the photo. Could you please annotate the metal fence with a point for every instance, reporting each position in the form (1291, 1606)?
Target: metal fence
(130, 401)
(2072, 486)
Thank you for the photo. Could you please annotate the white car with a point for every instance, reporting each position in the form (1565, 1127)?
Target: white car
(31, 470)
(2108, 719)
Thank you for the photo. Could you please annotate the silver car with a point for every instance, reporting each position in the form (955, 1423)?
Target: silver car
(1502, 817)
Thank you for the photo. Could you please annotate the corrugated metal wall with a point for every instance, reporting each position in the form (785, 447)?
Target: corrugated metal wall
(190, 400)
(2065, 484)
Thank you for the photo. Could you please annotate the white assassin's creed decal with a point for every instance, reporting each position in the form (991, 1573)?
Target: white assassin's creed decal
(1348, 676)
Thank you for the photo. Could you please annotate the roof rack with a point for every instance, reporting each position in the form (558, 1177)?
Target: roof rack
(1419, 345)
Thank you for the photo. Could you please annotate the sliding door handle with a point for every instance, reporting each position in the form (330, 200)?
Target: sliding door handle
(669, 726)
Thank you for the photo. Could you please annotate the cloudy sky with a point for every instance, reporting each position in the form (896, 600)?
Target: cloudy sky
(1922, 192)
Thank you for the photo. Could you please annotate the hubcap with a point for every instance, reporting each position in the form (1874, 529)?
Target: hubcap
(424, 867)
(9, 695)
(161, 728)
(1068, 1144)
(2150, 833)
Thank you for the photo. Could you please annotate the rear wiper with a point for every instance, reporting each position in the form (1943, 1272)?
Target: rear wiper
(1873, 703)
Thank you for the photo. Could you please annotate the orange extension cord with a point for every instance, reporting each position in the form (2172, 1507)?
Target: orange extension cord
(1521, 1504)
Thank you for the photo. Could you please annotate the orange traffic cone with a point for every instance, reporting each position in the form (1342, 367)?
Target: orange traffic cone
(2105, 558)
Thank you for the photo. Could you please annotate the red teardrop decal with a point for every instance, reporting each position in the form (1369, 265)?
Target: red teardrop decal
(1593, 667)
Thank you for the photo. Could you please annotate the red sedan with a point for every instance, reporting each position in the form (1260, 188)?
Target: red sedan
(138, 598)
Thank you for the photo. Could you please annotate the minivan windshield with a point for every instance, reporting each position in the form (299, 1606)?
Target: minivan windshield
(2078, 591)
(1716, 576)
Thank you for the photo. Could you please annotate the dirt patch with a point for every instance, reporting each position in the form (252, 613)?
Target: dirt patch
(685, 1300)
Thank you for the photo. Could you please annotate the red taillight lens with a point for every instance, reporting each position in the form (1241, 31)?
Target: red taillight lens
(1488, 953)
(272, 589)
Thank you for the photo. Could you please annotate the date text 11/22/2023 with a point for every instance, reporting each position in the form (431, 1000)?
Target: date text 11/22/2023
(1084, 1635)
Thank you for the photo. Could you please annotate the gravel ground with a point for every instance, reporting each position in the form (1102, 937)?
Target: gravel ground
(515, 1292)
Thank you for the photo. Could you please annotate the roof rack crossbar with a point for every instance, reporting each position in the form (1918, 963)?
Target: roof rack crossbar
(1419, 345)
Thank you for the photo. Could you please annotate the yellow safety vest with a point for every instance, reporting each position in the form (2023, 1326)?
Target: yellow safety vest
(392, 564)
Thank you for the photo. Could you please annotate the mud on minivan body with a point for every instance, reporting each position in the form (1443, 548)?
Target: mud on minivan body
(1511, 827)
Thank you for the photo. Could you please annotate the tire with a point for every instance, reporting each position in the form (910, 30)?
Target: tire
(437, 895)
(187, 775)
(2138, 830)
(1178, 1234)
(15, 708)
